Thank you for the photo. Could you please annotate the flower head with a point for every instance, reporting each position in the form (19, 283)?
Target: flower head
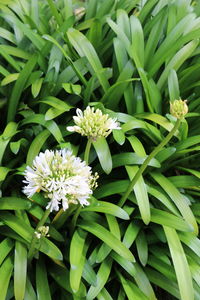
(93, 123)
(178, 108)
(62, 177)
(42, 232)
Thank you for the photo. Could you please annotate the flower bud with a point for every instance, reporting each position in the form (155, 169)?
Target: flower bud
(178, 108)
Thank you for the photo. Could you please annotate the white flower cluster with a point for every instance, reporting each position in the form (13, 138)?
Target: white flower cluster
(93, 124)
(62, 177)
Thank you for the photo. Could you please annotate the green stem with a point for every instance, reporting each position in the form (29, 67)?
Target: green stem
(87, 151)
(74, 220)
(146, 162)
(34, 238)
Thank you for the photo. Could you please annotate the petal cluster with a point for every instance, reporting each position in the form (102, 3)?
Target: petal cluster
(93, 123)
(62, 177)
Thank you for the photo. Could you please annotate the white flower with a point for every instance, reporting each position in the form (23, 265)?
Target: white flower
(93, 124)
(62, 177)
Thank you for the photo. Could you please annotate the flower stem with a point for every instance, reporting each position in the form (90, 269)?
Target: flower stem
(87, 151)
(31, 251)
(74, 220)
(146, 162)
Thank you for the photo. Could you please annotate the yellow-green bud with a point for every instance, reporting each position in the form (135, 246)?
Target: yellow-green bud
(178, 108)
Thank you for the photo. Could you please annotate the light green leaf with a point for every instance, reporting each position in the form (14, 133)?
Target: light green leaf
(107, 238)
(140, 191)
(14, 203)
(177, 198)
(5, 247)
(108, 208)
(5, 274)
(103, 153)
(72, 88)
(42, 285)
(20, 270)
(102, 277)
(180, 264)
(36, 87)
(9, 78)
(76, 258)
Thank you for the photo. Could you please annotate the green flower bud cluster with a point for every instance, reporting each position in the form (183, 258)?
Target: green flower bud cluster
(178, 108)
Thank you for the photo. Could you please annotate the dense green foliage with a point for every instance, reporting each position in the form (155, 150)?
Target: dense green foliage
(129, 58)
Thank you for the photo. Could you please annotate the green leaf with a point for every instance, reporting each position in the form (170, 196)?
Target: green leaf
(5, 247)
(56, 103)
(5, 274)
(36, 87)
(137, 39)
(36, 145)
(119, 136)
(20, 270)
(178, 60)
(72, 88)
(61, 276)
(165, 218)
(9, 78)
(140, 191)
(131, 290)
(3, 173)
(180, 264)
(85, 48)
(108, 208)
(173, 85)
(129, 158)
(18, 88)
(142, 248)
(125, 264)
(50, 125)
(76, 258)
(131, 234)
(14, 203)
(177, 198)
(30, 293)
(9, 132)
(103, 153)
(42, 285)
(26, 232)
(89, 274)
(102, 277)
(107, 238)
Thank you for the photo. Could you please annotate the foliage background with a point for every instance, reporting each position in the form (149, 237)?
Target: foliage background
(128, 58)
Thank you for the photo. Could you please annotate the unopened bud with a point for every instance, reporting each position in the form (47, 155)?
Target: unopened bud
(178, 108)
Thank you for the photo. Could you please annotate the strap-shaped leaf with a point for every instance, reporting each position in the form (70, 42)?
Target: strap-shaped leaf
(102, 277)
(103, 153)
(108, 238)
(108, 208)
(5, 274)
(42, 285)
(20, 270)
(77, 258)
(14, 203)
(177, 198)
(26, 232)
(180, 264)
(140, 191)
